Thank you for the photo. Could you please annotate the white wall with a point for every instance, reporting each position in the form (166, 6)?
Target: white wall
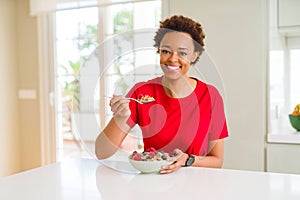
(237, 42)
(9, 120)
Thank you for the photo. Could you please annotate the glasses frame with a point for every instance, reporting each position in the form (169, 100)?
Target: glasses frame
(181, 53)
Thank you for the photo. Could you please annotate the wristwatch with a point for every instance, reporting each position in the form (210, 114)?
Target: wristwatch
(189, 161)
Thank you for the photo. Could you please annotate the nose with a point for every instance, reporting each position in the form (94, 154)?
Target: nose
(173, 56)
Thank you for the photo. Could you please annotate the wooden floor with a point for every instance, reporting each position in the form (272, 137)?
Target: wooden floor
(74, 149)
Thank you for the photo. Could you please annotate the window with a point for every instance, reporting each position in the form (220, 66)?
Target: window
(98, 53)
(284, 84)
(295, 74)
(284, 70)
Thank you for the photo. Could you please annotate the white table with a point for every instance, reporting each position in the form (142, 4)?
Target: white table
(89, 179)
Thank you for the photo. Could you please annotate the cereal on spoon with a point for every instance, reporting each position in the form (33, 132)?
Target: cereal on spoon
(146, 98)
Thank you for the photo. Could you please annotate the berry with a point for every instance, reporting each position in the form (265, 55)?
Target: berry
(164, 157)
(135, 152)
(151, 149)
(152, 154)
(137, 158)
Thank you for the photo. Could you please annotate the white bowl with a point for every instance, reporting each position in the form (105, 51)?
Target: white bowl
(149, 166)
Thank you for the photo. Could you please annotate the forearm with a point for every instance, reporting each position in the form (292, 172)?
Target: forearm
(109, 140)
(208, 161)
(215, 156)
(104, 148)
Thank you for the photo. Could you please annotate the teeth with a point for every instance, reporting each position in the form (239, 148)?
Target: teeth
(172, 67)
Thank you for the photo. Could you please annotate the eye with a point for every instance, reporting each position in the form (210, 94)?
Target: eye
(182, 53)
(164, 51)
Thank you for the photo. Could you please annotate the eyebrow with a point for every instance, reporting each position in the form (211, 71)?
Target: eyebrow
(180, 48)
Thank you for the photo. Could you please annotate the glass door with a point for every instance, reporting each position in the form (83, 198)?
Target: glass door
(87, 69)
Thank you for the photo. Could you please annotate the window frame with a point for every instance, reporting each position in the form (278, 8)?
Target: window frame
(280, 130)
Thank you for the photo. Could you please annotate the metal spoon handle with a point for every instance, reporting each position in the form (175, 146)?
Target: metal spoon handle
(140, 102)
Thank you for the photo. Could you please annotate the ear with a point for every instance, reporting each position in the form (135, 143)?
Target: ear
(195, 55)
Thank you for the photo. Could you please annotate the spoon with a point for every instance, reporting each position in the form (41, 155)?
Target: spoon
(137, 100)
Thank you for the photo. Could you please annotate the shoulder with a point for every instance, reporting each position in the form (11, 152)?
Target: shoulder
(208, 89)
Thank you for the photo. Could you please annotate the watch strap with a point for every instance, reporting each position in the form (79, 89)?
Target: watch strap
(190, 160)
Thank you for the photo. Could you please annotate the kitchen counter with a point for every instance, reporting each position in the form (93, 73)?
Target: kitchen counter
(91, 179)
(282, 132)
(284, 137)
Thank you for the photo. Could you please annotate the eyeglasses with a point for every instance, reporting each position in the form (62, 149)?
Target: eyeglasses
(182, 53)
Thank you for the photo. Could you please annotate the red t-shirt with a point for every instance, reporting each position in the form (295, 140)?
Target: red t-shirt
(185, 123)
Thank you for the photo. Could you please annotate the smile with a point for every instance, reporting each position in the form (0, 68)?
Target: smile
(173, 67)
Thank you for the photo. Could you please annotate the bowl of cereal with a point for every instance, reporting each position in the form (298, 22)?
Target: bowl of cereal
(150, 161)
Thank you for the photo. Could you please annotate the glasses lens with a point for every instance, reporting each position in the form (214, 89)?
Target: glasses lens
(183, 53)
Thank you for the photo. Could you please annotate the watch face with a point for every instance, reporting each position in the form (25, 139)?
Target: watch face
(190, 160)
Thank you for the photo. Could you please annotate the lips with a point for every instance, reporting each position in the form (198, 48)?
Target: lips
(174, 68)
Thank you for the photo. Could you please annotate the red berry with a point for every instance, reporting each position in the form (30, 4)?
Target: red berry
(152, 153)
(151, 149)
(137, 158)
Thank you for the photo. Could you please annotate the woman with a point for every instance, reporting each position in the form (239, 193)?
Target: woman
(187, 115)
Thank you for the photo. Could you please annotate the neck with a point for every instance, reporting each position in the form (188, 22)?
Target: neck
(179, 88)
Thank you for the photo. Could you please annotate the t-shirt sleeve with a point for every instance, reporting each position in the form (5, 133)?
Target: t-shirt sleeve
(218, 128)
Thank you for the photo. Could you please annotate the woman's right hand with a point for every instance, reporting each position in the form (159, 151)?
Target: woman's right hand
(120, 107)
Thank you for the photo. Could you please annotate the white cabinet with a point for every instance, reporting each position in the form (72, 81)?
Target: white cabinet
(289, 16)
(288, 12)
(283, 158)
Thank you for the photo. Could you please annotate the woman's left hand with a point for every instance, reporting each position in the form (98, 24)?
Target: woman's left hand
(179, 161)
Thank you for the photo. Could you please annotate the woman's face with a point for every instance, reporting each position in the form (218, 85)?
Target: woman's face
(176, 53)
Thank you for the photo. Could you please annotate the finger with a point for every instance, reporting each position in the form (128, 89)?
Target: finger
(178, 152)
(180, 159)
(170, 168)
(164, 171)
(117, 102)
(115, 99)
(120, 105)
(167, 171)
(122, 109)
